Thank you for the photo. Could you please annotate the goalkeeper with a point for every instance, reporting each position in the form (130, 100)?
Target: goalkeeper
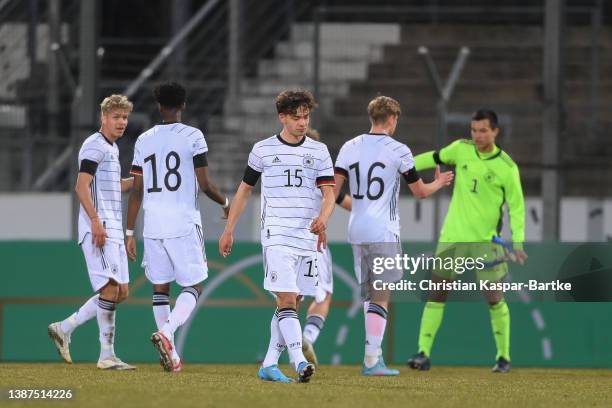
(485, 179)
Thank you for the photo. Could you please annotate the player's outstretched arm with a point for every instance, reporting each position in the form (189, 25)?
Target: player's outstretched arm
(425, 160)
(210, 189)
(446, 155)
(424, 190)
(134, 203)
(84, 193)
(238, 205)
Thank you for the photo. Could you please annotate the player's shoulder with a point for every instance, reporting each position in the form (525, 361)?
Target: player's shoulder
(395, 146)
(188, 131)
(315, 145)
(96, 140)
(462, 147)
(506, 159)
(269, 143)
(464, 143)
(353, 143)
(146, 135)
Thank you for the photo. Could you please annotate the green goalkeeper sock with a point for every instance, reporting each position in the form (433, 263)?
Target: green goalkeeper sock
(430, 323)
(500, 323)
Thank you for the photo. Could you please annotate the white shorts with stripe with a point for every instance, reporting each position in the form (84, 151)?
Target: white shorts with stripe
(106, 263)
(288, 272)
(180, 259)
(326, 277)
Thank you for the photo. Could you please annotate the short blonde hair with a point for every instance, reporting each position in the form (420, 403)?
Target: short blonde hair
(381, 107)
(116, 102)
(313, 134)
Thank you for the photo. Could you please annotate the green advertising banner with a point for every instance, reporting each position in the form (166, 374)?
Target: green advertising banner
(43, 282)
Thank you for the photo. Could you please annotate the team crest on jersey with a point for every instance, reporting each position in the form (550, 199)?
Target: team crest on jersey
(308, 160)
(489, 177)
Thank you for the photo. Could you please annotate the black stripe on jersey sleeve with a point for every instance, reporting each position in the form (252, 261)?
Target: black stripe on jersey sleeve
(88, 166)
(411, 176)
(340, 197)
(436, 157)
(341, 171)
(136, 170)
(199, 160)
(326, 181)
(251, 176)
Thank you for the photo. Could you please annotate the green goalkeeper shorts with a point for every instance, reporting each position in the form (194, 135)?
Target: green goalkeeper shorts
(453, 261)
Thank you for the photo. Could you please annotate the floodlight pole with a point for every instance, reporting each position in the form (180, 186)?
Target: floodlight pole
(553, 116)
(444, 91)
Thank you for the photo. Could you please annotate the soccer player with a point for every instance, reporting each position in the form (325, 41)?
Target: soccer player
(373, 163)
(99, 186)
(292, 167)
(319, 308)
(487, 178)
(169, 164)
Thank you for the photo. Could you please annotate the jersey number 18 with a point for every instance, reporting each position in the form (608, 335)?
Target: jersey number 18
(170, 171)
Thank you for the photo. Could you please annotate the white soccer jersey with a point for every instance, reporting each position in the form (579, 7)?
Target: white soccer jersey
(100, 158)
(373, 164)
(166, 156)
(290, 177)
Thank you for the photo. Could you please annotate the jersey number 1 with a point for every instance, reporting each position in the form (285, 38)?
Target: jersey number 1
(171, 171)
(473, 190)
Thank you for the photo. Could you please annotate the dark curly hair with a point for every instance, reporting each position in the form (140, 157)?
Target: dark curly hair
(170, 94)
(288, 102)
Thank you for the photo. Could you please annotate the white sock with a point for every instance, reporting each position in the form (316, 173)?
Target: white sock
(106, 324)
(161, 312)
(276, 345)
(84, 314)
(161, 308)
(185, 303)
(289, 325)
(376, 322)
(312, 328)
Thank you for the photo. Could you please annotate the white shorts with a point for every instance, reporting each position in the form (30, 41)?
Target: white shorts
(326, 277)
(288, 272)
(364, 256)
(180, 259)
(106, 263)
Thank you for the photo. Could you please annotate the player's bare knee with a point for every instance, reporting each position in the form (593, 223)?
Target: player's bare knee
(110, 291)
(494, 297)
(198, 287)
(161, 288)
(287, 300)
(124, 292)
(439, 296)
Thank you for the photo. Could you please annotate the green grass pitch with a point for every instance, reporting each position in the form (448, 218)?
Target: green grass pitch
(333, 386)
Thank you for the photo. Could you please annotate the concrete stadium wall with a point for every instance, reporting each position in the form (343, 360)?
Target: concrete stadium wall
(48, 216)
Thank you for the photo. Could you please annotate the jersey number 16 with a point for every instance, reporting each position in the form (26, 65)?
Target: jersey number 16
(371, 180)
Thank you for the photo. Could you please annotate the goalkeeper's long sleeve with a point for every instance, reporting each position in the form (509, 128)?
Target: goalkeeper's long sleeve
(424, 161)
(516, 206)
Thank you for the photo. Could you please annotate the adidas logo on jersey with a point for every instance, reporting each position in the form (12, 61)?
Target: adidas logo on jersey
(276, 160)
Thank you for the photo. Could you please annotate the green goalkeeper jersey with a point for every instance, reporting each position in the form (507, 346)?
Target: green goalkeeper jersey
(483, 183)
